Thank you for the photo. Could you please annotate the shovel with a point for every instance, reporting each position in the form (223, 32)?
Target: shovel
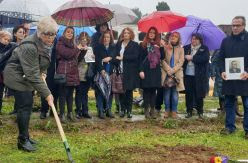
(61, 131)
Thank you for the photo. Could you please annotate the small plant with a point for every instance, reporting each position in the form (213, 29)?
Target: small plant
(170, 124)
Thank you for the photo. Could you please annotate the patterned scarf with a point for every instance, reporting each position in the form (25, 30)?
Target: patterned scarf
(153, 55)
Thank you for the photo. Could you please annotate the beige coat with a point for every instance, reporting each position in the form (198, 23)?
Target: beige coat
(178, 62)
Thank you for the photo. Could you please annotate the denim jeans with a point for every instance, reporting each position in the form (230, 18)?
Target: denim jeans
(171, 99)
(100, 99)
(231, 112)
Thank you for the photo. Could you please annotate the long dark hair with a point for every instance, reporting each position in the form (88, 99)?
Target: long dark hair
(15, 30)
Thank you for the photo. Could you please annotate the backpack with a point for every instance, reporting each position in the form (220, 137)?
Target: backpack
(6, 56)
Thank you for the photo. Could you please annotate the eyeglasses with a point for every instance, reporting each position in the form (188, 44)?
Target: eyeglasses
(236, 25)
(49, 34)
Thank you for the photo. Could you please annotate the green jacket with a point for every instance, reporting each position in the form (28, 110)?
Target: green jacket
(24, 68)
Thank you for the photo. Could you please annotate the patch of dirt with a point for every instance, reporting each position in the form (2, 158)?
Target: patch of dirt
(177, 154)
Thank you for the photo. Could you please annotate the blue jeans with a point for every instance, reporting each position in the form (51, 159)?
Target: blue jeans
(100, 101)
(171, 99)
(231, 112)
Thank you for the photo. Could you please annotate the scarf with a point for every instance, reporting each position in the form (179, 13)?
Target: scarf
(153, 55)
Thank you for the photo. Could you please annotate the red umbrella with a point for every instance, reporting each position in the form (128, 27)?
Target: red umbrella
(164, 21)
(82, 13)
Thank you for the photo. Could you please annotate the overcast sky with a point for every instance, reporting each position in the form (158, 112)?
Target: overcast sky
(219, 11)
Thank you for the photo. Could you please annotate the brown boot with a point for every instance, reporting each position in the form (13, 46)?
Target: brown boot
(166, 114)
(174, 115)
(152, 113)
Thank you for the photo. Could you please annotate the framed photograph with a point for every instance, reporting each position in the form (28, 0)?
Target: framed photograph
(89, 56)
(234, 68)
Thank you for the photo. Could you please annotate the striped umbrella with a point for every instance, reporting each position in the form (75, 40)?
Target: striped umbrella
(82, 13)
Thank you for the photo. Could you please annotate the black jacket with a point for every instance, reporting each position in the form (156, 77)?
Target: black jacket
(235, 46)
(131, 78)
(152, 76)
(201, 62)
(101, 53)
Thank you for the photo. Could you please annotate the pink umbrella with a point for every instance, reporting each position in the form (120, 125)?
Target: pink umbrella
(82, 13)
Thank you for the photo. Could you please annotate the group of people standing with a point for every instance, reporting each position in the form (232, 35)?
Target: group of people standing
(155, 65)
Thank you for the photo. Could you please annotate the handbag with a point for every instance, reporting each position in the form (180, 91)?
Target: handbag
(59, 78)
(117, 82)
(90, 73)
(170, 81)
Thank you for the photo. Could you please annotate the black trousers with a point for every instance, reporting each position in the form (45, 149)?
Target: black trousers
(191, 96)
(44, 104)
(159, 98)
(149, 96)
(81, 98)
(1, 95)
(65, 96)
(24, 103)
(126, 100)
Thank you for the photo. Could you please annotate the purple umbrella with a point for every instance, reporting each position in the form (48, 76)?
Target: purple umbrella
(212, 35)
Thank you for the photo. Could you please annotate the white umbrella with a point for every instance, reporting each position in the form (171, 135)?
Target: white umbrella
(30, 10)
(122, 14)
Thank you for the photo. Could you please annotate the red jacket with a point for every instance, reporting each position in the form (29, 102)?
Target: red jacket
(67, 54)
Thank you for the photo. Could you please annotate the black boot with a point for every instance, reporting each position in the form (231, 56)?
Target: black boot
(152, 113)
(101, 115)
(32, 141)
(70, 117)
(62, 118)
(146, 112)
(189, 115)
(109, 114)
(43, 115)
(86, 115)
(25, 144)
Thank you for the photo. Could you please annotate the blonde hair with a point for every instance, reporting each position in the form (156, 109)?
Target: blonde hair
(47, 25)
(4, 34)
(132, 35)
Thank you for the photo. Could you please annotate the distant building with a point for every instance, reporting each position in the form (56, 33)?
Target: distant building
(227, 29)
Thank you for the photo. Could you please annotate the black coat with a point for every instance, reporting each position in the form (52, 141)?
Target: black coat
(131, 78)
(101, 53)
(235, 46)
(201, 62)
(152, 76)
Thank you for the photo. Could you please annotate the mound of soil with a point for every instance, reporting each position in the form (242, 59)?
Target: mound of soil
(177, 154)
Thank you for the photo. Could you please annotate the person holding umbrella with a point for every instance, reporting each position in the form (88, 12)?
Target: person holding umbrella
(104, 54)
(100, 29)
(150, 72)
(128, 60)
(195, 74)
(24, 72)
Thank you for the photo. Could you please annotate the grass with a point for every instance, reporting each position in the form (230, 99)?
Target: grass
(105, 141)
